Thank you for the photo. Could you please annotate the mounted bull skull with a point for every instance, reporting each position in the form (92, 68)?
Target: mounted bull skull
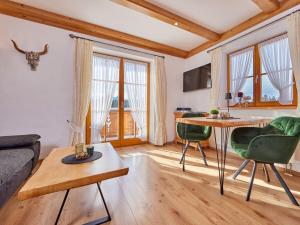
(33, 58)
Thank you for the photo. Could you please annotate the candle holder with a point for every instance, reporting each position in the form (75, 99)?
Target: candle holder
(228, 97)
(80, 151)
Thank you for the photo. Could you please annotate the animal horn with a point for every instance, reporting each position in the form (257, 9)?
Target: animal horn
(45, 50)
(16, 47)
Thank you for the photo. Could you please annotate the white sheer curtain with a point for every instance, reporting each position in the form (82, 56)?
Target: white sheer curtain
(218, 78)
(104, 83)
(135, 78)
(275, 56)
(240, 63)
(293, 27)
(158, 93)
(82, 89)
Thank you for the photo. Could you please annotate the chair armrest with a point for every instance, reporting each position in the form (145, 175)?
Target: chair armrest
(36, 150)
(207, 131)
(180, 129)
(243, 135)
(15, 141)
(272, 148)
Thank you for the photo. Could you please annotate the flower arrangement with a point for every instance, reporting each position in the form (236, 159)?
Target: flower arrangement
(240, 97)
(240, 94)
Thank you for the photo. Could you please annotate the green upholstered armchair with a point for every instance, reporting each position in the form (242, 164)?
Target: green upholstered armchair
(274, 143)
(192, 133)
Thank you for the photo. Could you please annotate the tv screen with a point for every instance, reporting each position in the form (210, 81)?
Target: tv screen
(198, 78)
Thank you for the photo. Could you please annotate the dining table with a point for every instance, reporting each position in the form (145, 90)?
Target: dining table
(224, 125)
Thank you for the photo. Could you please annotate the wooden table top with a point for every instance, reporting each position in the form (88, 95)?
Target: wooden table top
(53, 175)
(206, 121)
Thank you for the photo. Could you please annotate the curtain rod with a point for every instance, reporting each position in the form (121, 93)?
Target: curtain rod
(250, 32)
(74, 36)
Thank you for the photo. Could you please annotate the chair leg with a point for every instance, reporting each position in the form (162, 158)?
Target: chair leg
(283, 184)
(182, 160)
(251, 181)
(265, 169)
(184, 149)
(183, 144)
(203, 153)
(244, 164)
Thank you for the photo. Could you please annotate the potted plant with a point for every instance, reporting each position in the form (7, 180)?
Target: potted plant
(214, 113)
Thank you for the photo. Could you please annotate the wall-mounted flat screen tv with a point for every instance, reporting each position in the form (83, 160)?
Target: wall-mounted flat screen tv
(198, 78)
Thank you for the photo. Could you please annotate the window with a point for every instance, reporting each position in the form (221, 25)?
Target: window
(263, 73)
(241, 73)
(135, 86)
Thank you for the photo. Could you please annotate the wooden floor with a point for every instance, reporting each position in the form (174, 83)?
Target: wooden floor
(156, 191)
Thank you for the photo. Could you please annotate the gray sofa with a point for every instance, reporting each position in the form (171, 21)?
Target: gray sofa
(18, 156)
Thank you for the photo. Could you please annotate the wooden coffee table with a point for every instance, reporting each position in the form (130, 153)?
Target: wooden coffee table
(53, 175)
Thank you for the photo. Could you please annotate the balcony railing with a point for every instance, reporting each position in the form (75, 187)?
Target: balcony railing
(111, 129)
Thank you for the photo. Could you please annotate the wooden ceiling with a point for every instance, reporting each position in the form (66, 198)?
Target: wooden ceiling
(168, 17)
(267, 5)
(269, 8)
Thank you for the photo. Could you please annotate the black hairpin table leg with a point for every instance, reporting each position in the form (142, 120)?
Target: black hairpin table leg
(186, 147)
(62, 206)
(221, 155)
(101, 220)
(104, 219)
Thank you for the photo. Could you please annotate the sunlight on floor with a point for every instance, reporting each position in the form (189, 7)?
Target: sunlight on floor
(263, 183)
(168, 162)
(177, 155)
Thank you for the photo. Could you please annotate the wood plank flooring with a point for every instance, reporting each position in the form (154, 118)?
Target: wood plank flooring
(156, 191)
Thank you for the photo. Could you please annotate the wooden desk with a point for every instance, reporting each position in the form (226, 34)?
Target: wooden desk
(225, 126)
(53, 175)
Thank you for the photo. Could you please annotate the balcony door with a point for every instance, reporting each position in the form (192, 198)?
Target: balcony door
(119, 106)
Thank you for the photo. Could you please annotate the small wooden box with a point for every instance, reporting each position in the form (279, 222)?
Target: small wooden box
(204, 144)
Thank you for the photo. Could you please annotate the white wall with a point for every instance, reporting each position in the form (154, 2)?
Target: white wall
(35, 102)
(174, 71)
(41, 101)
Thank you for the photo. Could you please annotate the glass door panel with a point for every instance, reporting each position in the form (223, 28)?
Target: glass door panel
(105, 99)
(135, 99)
(110, 131)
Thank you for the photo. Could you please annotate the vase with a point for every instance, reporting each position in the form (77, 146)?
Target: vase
(214, 116)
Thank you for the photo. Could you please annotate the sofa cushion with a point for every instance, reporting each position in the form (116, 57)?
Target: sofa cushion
(12, 161)
(18, 140)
